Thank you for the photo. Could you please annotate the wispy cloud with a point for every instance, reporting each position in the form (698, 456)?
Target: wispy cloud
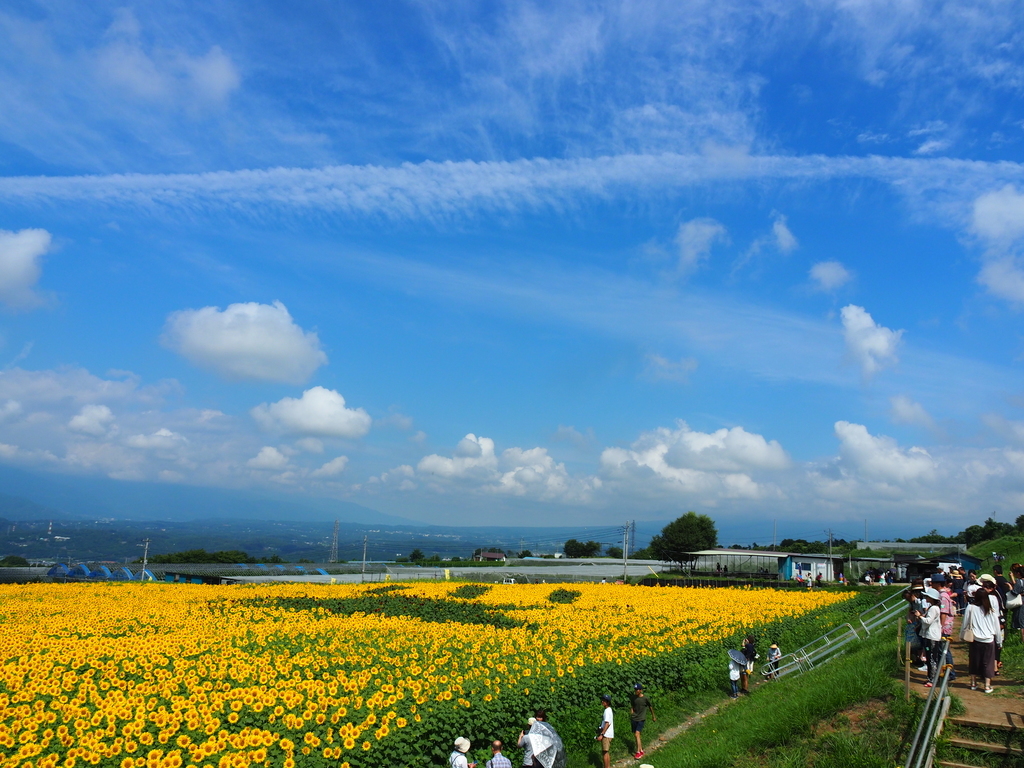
(432, 190)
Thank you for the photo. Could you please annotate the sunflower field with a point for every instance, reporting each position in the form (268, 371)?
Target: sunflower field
(286, 675)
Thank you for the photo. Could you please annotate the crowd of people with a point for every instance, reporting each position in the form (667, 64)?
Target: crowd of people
(990, 604)
(542, 746)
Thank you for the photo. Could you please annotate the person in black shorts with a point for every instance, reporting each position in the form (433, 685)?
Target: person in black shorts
(638, 712)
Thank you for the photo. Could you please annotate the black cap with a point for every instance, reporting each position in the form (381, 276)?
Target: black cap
(606, 697)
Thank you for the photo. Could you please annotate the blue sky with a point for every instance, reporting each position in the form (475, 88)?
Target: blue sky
(506, 263)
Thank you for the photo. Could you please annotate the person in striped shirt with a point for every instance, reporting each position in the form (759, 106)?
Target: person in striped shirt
(498, 760)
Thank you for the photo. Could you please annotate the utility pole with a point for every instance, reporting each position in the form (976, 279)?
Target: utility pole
(625, 551)
(830, 568)
(865, 529)
(145, 559)
(364, 553)
(334, 545)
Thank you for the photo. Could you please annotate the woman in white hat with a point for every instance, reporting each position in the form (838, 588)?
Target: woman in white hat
(458, 757)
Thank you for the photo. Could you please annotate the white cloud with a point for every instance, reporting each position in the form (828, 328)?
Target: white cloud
(517, 472)
(873, 346)
(310, 445)
(319, 412)
(163, 438)
(780, 238)
(785, 240)
(1004, 278)
(695, 239)
(906, 411)
(682, 460)
(332, 468)
(246, 341)
(829, 275)
(268, 458)
(92, 420)
(175, 78)
(932, 146)
(473, 456)
(998, 216)
(662, 369)
(880, 458)
(20, 254)
(582, 441)
(9, 410)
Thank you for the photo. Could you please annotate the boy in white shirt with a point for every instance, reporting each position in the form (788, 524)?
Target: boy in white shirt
(607, 730)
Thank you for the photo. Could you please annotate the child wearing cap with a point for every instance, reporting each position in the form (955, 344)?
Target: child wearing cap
(638, 710)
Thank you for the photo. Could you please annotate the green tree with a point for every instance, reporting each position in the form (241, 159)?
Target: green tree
(689, 533)
(615, 552)
(416, 555)
(1019, 523)
(14, 561)
(525, 553)
(574, 548)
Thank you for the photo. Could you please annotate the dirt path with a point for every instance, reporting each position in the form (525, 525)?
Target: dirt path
(1001, 709)
(667, 736)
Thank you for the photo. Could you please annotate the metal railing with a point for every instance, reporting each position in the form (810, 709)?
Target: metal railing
(933, 713)
(880, 613)
(814, 653)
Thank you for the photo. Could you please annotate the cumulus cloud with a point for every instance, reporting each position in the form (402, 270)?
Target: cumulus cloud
(880, 458)
(268, 458)
(332, 468)
(998, 217)
(163, 438)
(473, 456)
(20, 256)
(319, 412)
(905, 411)
(687, 461)
(695, 239)
(517, 472)
(873, 346)
(829, 275)
(92, 420)
(246, 341)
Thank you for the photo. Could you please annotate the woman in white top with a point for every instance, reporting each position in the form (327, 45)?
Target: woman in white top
(931, 631)
(982, 620)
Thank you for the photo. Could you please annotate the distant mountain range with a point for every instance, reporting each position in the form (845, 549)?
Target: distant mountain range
(33, 496)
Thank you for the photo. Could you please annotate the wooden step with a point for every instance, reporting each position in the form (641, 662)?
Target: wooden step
(947, 764)
(982, 746)
(969, 723)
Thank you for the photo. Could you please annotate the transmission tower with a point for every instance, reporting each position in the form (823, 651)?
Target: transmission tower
(334, 545)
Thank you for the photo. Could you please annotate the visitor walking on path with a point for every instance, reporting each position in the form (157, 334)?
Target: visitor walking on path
(947, 610)
(1017, 571)
(606, 732)
(750, 654)
(980, 628)
(737, 663)
(638, 711)
(931, 632)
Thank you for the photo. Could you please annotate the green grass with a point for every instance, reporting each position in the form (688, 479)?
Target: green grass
(1011, 546)
(773, 727)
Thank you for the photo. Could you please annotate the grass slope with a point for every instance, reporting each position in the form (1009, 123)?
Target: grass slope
(774, 725)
